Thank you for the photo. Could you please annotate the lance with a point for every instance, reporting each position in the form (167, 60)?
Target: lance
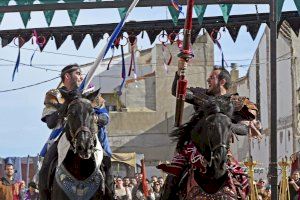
(88, 78)
(184, 56)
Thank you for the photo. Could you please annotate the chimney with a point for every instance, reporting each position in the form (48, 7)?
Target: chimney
(234, 72)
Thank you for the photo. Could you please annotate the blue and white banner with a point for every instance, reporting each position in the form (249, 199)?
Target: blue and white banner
(105, 49)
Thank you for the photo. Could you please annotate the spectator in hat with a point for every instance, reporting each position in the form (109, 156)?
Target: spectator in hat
(10, 189)
(32, 193)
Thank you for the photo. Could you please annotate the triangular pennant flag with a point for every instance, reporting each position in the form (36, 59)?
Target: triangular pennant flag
(152, 35)
(25, 37)
(59, 39)
(200, 10)
(49, 16)
(234, 31)
(122, 11)
(78, 38)
(253, 30)
(226, 8)
(73, 13)
(96, 37)
(24, 15)
(174, 14)
(48, 13)
(212, 32)
(295, 25)
(279, 9)
(3, 3)
(47, 37)
(297, 3)
(6, 39)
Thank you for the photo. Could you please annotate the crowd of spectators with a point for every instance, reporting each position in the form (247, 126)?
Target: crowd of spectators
(12, 189)
(131, 188)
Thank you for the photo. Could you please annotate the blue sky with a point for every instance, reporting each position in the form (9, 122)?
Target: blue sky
(22, 133)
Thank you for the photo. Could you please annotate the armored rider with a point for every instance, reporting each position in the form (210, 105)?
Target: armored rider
(71, 77)
(208, 101)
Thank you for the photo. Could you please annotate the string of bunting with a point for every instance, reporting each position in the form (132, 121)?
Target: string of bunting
(175, 9)
(96, 32)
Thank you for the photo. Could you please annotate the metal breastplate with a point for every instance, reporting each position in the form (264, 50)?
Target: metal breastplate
(78, 190)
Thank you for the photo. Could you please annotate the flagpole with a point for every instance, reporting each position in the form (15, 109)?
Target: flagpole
(105, 49)
(184, 56)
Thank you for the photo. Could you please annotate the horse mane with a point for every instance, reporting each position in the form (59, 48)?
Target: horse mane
(182, 134)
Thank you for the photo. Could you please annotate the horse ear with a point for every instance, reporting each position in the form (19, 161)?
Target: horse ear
(92, 96)
(70, 95)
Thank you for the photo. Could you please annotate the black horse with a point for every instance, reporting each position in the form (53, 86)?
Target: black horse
(78, 176)
(211, 134)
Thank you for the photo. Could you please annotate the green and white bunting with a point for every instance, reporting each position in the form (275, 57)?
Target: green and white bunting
(200, 11)
(174, 14)
(48, 13)
(226, 8)
(122, 11)
(297, 3)
(279, 9)
(73, 13)
(3, 3)
(24, 15)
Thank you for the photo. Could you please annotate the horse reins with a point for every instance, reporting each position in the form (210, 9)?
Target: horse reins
(81, 128)
(212, 150)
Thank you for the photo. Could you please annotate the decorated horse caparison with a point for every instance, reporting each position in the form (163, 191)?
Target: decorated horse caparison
(202, 169)
(76, 174)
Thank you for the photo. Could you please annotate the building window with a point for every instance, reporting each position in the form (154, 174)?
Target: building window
(281, 136)
(289, 135)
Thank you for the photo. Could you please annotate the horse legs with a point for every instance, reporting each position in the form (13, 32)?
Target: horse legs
(45, 174)
(109, 182)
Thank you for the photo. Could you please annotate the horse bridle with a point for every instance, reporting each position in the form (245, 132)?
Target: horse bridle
(81, 128)
(213, 149)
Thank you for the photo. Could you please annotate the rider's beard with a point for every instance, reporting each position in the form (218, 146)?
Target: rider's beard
(75, 84)
(214, 90)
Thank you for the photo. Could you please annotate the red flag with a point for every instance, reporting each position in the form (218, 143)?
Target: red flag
(145, 185)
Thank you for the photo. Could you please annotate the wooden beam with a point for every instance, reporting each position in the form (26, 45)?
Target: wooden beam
(119, 4)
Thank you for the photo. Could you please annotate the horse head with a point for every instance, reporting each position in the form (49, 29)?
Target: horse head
(81, 127)
(212, 136)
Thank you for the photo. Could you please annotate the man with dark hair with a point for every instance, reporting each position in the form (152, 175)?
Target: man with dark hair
(54, 113)
(10, 188)
(208, 101)
(294, 185)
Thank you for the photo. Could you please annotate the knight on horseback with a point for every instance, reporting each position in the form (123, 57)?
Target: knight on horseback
(207, 102)
(54, 115)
